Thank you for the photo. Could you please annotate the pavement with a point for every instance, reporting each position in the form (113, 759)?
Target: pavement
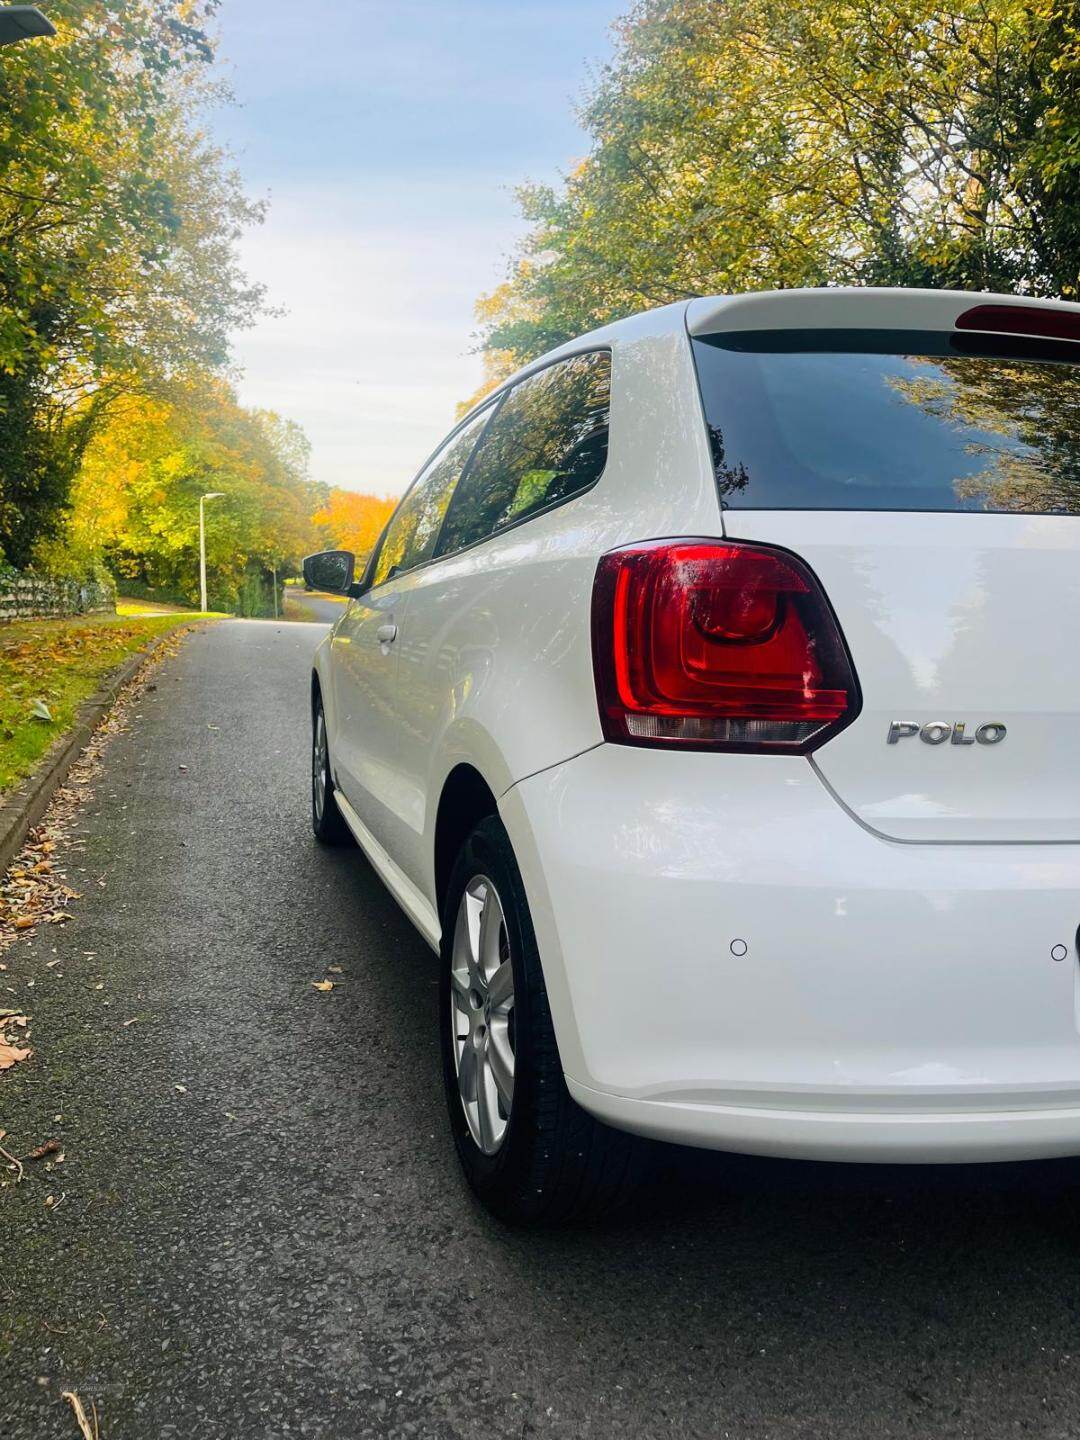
(259, 1229)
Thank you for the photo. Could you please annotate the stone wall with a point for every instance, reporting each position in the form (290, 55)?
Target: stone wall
(26, 596)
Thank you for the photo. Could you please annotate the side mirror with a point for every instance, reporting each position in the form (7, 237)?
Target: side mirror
(331, 570)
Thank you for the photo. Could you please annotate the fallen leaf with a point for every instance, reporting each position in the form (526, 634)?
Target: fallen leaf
(10, 1056)
(180, 1089)
(334, 970)
(25, 923)
(323, 985)
(80, 1415)
(51, 1147)
(41, 711)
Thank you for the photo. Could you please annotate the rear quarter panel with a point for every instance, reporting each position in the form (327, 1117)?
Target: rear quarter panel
(496, 659)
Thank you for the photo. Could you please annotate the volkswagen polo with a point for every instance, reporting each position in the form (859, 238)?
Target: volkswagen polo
(711, 706)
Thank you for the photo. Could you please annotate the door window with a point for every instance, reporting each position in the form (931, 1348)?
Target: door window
(547, 443)
(410, 537)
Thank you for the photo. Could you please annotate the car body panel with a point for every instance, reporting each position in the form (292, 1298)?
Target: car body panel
(495, 660)
(865, 953)
(961, 619)
(723, 937)
(361, 674)
(849, 307)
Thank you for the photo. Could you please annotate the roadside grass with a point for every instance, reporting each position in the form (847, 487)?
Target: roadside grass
(128, 609)
(59, 663)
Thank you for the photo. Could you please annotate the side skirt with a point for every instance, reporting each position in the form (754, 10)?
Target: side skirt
(416, 907)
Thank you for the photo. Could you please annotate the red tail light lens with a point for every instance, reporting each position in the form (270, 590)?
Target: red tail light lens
(717, 645)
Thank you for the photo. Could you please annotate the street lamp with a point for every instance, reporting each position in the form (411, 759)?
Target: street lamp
(214, 495)
(22, 22)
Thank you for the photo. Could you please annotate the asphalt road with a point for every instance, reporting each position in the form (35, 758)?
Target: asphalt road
(317, 607)
(284, 1247)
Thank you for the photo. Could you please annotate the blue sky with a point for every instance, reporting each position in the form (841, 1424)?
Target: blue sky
(388, 135)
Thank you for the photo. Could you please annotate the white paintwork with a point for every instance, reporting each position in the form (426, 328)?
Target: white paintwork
(759, 952)
(878, 979)
(968, 618)
(362, 714)
(416, 906)
(846, 308)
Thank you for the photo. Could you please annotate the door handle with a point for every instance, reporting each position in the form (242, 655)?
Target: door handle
(386, 634)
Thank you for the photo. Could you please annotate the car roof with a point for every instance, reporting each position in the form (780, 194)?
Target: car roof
(838, 307)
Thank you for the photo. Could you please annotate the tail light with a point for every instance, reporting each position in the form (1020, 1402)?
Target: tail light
(715, 645)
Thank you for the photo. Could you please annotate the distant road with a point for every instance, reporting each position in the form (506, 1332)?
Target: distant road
(318, 607)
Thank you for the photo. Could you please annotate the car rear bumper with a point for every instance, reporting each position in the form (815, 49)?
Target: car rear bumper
(907, 1137)
(734, 962)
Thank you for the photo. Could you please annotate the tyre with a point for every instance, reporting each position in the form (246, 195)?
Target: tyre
(326, 819)
(530, 1153)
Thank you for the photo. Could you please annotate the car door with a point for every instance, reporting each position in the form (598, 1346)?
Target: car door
(368, 643)
(364, 661)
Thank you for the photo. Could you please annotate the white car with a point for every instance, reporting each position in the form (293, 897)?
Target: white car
(711, 704)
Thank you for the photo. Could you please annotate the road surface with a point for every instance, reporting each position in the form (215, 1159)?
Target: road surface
(282, 1247)
(316, 607)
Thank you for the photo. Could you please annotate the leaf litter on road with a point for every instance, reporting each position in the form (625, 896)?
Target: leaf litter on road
(81, 1417)
(35, 890)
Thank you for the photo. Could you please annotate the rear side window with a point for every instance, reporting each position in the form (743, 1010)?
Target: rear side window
(414, 528)
(547, 443)
(869, 420)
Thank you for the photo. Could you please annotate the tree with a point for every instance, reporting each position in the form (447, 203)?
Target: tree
(351, 521)
(740, 144)
(136, 499)
(118, 222)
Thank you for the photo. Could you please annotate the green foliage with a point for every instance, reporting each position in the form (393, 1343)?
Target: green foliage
(38, 462)
(136, 500)
(740, 144)
(118, 221)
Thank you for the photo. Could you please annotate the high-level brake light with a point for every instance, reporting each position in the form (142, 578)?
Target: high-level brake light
(1034, 320)
(717, 645)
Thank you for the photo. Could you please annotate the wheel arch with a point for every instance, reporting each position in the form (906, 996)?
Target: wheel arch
(465, 800)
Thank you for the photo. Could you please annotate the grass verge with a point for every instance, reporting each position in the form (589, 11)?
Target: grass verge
(59, 663)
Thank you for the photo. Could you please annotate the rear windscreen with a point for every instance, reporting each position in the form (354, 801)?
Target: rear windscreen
(896, 420)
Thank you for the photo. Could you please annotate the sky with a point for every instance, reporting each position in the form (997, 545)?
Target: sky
(387, 136)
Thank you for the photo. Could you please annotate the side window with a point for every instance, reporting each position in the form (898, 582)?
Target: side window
(410, 537)
(547, 442)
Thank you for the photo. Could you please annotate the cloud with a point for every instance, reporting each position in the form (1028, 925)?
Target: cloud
(373, 351)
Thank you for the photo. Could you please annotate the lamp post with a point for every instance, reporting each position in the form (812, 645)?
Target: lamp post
(213, 495)
(22, 22)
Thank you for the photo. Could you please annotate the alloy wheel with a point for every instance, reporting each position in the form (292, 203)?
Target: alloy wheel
(482, 1014)
(319, 765)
